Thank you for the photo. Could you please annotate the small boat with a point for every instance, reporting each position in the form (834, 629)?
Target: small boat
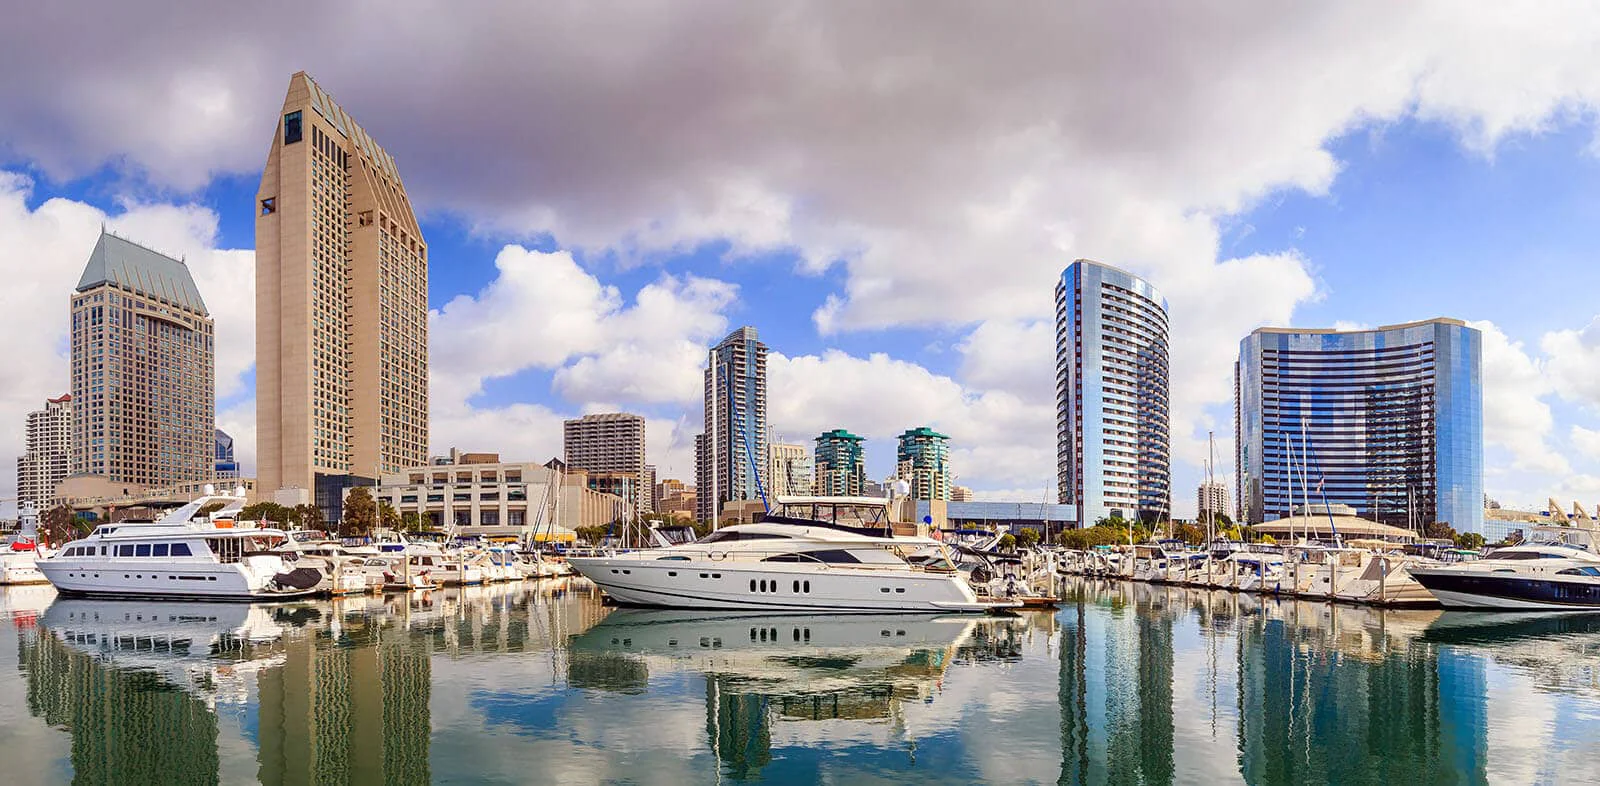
(19, 557)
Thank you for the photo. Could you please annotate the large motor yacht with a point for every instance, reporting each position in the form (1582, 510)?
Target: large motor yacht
(186, 554)
(1555, 572)
(836, 554)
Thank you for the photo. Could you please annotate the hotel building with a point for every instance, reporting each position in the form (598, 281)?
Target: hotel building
(735, 440)
(341, 308)
(143, 374)
(478, 494)
(1387, 421)
(46, 453)
(923, 460)
(1112, 420)
(841, 466)
(613, 444)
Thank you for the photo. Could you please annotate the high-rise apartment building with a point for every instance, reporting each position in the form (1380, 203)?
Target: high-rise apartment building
(733, 449)
(46, 453)
(1209, 498)
(143, 374)
(341, 307)
(1113, 448)
(789, 473)
(923, 461)
(1387, 421)
(610, 443)
(841, 466)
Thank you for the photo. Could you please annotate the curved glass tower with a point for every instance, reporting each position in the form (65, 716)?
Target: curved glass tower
(1387, 421)
(1112, 421)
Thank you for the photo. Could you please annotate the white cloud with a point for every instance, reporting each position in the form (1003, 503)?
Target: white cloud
(42, 256)
(1515, 415)
(1587, 441)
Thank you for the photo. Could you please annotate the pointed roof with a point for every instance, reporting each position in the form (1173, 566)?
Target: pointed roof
(119, 261)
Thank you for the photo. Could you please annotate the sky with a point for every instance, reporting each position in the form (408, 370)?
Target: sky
(887, 192)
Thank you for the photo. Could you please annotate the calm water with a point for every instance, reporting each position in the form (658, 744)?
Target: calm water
(541, 683)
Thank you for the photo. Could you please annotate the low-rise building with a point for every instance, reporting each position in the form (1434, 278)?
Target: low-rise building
(494, 498)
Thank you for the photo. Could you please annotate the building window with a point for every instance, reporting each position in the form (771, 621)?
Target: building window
(291, 128)
(489, 518)
(269, 206)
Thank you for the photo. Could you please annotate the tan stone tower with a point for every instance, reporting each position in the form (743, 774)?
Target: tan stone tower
(341, 306)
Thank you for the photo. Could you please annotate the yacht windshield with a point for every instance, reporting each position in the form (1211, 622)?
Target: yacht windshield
(846, 514)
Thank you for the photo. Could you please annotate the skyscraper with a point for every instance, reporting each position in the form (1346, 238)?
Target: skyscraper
(790, 470)
(1387, 421)
(923, 460)
(841, 466)
(612, 443)
(227, 467)
(143, 378)
(341, 307)
(46, 453)
(734, 444)
(1112, 422)
(1211, 497)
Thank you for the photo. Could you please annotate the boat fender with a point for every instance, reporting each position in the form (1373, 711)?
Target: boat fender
(717, 556)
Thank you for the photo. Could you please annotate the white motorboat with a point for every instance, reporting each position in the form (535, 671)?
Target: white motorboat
(19, 557)
(811, 554)
(1554, 574)
(183, 555)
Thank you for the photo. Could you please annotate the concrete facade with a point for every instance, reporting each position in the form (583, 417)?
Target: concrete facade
(46, 454)
(789, 471)
(733, 447)
(144, 392)
(610, 443)
(341, 304)
(500, 498)
(1211, 497)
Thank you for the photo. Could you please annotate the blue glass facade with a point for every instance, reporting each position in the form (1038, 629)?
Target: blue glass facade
(1113, 455)
(1388, 421)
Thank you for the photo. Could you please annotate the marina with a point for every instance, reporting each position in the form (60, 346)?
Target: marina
(541, 682)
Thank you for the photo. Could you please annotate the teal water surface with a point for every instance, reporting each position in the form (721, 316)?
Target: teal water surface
(542, 683)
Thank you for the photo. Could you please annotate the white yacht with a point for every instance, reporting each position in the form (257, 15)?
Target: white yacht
(186, 554)
(1557, 572)
(836, 554)
(19, 558)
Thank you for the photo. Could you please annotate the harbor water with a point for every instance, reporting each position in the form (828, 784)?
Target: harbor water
(539, 682)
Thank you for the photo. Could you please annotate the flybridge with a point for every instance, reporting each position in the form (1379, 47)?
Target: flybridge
(324, 105)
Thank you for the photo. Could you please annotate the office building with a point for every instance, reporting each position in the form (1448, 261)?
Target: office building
(734, 445)
(341, 308)
(923, 461)
(46, 452)
(1386, 421)
(790, 471)
(143, 374)
(494, 498)
(1112, 420)
(226, 467)
(1211, 497)
(841, 468)
(610, 444)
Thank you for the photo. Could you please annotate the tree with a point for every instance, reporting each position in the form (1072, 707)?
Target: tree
(1469, 540)
(1269, 540)
(1440, 530)
(360, 512)
(307, 516)
(1008, 542)
(388, 516)
(1028, 537)
(410, 521)
(58, 525)
(591, 535)
(267, 511)
(1191, 534)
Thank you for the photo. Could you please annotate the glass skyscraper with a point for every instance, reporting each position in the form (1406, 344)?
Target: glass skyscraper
(1113, 449)
(734, 443)
(1387, 421)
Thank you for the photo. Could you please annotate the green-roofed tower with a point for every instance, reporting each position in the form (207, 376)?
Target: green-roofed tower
(923, 461)
(841, 468)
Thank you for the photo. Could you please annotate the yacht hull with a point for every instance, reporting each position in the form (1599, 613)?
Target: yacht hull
(1508, 591)
(778, 587)
(159, 579)
(20, 568)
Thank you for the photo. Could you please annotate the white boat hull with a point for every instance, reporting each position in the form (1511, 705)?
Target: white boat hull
(147, 577)
(19, 567)
(777, 587)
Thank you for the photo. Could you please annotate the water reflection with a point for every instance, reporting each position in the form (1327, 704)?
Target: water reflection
(542, 683)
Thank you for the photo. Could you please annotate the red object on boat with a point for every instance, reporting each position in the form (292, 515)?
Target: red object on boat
(22, 545)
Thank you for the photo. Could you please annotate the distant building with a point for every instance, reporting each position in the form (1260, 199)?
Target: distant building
(341, 308)
(649, 488)
(1049, 519)
(1113, 454)
(500, 498)
(610, 443)
(1211, 497)
(841, 469)
(789, 473)
(143, 372)
(961, 494)
(46, 452)
(1386, 421)
(226, 466)
(923, 460)
(733, 448)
